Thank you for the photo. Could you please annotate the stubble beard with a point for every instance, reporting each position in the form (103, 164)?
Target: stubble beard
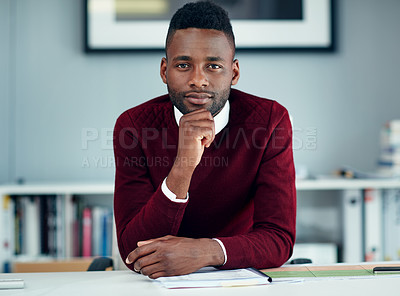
(218, 100)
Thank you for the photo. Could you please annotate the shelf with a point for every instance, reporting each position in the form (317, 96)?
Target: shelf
(343, 184)
(57, 188)
(108, 188)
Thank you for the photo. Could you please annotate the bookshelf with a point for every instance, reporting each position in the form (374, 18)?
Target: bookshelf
(49, 223)
(351, 237)
(357, 216)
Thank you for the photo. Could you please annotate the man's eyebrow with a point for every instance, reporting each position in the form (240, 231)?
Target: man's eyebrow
(215, 59)
(182, 58)
(188, 58)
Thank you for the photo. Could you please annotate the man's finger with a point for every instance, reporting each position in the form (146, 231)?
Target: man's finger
(157, 275)
(198, 114)
(142, 264)
(199, 123)
(166, 237)
(131, 255)
(139, 252)
(207, 136)
(144, 248)
(143, 243)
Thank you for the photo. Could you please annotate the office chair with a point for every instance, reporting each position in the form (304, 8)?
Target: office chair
(300, 261)
(100, 264)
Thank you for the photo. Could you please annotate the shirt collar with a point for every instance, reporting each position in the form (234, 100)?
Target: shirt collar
(220, 120)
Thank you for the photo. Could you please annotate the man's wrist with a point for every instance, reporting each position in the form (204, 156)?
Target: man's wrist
(178, 180)
(186, 165)
(172, 196)
(216, 255)
(221, 244)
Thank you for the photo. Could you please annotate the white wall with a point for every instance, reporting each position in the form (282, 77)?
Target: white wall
(60, 91)
(5, 107)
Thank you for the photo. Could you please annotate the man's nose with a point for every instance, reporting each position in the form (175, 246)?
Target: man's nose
(198, 78)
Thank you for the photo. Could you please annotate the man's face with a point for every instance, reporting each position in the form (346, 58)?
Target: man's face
(199, 70)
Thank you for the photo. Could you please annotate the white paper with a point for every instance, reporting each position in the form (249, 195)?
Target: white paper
(11, 284)
(212, 277)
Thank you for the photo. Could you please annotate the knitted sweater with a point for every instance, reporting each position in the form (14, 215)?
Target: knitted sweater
(242, 192)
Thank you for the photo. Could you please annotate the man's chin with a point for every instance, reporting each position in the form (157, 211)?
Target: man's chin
(188, 109)
(197, 107)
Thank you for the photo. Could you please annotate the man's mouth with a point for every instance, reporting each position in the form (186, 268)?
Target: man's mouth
(198, 98)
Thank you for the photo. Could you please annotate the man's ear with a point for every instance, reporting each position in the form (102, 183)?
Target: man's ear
(235, 71)
(163, 70)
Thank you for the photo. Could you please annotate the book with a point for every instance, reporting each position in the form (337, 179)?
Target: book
(18, 225)
(87, 232)
(212, 277)
(52, 225)
(391, 225)
(104, 235)
(44, 242)
(60, 227)
(373, 225)
(107, 231)
(352, 225)
(77, 226)
(68, 225)
(97, 214)
(31, 232)
(109, 235)
(6, 233)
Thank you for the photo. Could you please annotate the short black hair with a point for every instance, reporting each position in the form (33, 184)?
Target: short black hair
(201, 15)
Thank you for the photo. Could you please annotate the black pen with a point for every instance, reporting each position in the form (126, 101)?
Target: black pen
(261, 273)
(386, 269)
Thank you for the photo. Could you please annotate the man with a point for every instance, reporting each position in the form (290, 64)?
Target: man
(205, 174)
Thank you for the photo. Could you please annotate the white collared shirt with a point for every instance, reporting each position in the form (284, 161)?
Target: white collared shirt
(220, 121)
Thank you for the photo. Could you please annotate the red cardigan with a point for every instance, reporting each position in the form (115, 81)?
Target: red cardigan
(242, 192)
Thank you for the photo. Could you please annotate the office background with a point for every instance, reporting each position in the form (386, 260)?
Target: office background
(59, 105)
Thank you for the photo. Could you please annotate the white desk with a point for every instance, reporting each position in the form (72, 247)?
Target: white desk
(120, 283)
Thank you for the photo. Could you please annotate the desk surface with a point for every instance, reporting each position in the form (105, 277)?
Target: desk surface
(128, 283)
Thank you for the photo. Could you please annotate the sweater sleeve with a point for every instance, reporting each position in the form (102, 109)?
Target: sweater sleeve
(142, 211)
(270, 242)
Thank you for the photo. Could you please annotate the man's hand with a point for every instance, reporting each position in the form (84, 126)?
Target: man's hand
(196, 131)
(170, 255)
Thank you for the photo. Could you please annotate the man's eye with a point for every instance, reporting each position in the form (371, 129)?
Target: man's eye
(214, 66)
(182, 66)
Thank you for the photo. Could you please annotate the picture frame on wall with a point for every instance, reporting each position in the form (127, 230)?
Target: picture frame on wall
(141, 25)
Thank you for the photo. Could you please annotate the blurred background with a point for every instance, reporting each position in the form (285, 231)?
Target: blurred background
(58, 104)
